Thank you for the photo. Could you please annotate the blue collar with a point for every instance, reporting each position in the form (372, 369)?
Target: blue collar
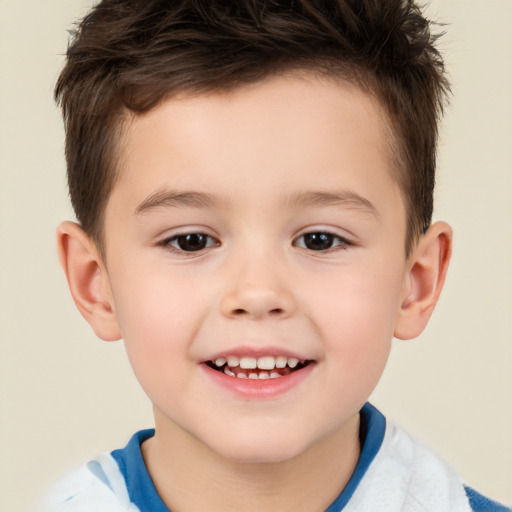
(371, 434)
(143, 494)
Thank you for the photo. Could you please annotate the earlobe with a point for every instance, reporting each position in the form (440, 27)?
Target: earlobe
(426, 273)
(87, 280)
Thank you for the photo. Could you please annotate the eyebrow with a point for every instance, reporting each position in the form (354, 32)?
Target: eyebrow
(318, 199)
(310, 199)
(170, 198)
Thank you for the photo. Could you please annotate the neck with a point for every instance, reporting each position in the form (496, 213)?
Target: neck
(189, 477)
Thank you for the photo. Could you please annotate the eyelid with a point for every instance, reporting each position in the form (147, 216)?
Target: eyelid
(183, 230)
(345, 241)
(165, 242)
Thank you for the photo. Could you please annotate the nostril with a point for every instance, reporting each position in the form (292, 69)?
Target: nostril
(273, 312)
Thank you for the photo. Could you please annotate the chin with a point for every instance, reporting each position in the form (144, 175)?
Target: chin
(258, 449)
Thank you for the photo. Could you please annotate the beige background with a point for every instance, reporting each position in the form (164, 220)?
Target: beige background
(67, 396)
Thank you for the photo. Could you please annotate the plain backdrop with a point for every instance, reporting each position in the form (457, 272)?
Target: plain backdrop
(66, 396)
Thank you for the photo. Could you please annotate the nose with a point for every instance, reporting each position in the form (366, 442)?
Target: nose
(258, 290)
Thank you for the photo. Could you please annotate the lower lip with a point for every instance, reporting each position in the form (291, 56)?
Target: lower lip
(258, 388)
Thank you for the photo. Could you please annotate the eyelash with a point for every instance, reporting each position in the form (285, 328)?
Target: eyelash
(325, 236)
(342, 243)
(168, 242)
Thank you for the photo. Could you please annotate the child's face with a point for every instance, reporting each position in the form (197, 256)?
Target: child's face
(295, 249)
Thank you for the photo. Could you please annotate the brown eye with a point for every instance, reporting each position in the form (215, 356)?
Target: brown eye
(318, 241)
(321, 241)
(190, 242)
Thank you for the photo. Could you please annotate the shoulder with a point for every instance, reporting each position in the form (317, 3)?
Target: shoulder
(480, 503)
(98, 485)
(424, 481)
(406, 476)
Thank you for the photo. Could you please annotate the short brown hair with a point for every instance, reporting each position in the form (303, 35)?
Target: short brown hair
(129, 55)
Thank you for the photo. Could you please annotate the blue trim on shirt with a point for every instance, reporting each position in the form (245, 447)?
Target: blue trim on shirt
(480, 503)
(143, 494)
(371, 432)
(140, 487)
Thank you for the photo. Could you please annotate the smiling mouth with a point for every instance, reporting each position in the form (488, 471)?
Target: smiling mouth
(266, 367)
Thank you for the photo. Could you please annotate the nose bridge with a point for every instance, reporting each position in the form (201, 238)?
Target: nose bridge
(257, 284)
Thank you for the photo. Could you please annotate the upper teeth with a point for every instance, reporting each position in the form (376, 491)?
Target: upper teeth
(262, 363)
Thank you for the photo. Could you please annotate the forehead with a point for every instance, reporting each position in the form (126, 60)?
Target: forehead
(286, 133)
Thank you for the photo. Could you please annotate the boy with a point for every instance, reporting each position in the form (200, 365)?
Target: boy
(253, 182)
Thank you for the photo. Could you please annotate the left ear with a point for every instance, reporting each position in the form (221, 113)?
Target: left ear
(426, 273)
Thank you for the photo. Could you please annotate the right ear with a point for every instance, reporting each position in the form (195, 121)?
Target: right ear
(88, 280)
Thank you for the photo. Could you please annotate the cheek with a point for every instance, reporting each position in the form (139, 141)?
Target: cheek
(355, 317)
(360, 299)
(154, 303)
(158, 319)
